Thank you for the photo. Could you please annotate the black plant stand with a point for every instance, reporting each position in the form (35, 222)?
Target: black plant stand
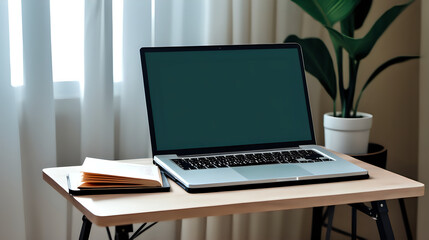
(377, 155)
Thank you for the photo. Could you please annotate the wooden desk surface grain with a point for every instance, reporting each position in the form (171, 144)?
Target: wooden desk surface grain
(120, 209)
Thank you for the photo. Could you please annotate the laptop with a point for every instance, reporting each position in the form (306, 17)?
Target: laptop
(234, 117)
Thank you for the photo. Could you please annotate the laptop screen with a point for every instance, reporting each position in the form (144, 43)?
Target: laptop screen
(223, 98)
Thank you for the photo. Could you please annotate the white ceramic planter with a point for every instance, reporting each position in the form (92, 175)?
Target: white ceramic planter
(347, 135)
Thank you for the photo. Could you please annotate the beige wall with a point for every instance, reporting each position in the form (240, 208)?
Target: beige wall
(423, 203)
(393, 99)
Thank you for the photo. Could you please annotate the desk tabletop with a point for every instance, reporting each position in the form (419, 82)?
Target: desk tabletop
(121, 209)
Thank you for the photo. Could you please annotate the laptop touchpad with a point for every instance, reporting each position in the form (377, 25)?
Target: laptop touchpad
(272, 171)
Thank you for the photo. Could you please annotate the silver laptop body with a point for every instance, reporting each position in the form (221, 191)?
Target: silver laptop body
(236, 116)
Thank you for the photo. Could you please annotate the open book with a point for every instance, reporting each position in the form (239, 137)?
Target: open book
(98, 173)
(99, 176)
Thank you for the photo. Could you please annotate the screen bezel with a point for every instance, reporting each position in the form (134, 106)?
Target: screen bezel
(248, 147)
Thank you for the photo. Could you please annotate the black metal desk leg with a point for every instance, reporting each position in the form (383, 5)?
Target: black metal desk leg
(330, 214)
(354, 226)
(382, 219)
(86, 228)
(316, 225)
(405, 219)
(121, 232)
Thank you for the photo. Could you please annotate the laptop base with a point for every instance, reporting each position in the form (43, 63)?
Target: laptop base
(263, 185)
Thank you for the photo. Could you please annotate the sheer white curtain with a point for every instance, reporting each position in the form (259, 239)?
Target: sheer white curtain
(107, 119)
(30, 209)
(12, 203)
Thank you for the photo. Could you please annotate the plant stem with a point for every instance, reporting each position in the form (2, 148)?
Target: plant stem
(339, 55)
(335, 108)
(354, 66)
(357, 103)
(347, 28)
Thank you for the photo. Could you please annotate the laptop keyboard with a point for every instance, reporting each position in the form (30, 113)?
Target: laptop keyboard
(236, 160)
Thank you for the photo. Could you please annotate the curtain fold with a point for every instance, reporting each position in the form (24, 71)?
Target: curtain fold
(97, 101)
(219, 228)
(218, 18)
(289, 13)
(262, 21)
(133, 126)
(10, 164)
(44, 209)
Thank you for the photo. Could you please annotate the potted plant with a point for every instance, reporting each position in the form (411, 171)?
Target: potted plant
(346, 130)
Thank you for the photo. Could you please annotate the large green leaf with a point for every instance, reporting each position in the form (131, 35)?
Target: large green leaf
(318, 62)
(361, 12)
(356, 19)
(360, 48)
(328, 12)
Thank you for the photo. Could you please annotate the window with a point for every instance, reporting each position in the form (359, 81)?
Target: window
(67, 40)
(117, 21)
(15, 41)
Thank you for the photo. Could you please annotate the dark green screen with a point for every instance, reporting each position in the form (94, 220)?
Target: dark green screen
(224, 98)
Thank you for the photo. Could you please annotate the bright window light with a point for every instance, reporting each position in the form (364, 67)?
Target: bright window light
(67, 40)
(15, 41)
(117, 21)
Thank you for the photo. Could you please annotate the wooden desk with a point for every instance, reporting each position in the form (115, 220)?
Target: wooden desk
(123, 209)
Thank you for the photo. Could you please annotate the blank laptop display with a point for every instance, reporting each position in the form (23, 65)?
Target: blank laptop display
(237, 116)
